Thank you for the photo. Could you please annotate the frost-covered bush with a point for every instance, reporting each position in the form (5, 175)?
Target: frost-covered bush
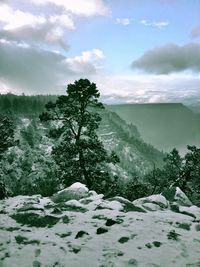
(28, 172)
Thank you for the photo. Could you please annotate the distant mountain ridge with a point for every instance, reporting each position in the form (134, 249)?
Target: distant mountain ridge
(164, 125)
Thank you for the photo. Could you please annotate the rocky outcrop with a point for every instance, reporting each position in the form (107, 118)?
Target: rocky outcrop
(78, 227)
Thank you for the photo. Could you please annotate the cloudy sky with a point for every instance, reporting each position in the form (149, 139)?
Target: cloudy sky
(135, 50)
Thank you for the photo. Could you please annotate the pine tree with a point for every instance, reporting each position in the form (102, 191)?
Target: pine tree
(80, 154)
(191, 174)
(173, 167)
(7, 134)
(6, 140)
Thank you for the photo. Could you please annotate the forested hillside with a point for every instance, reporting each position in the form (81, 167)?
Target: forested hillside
(165, 126)
(23, 104)
(28, 166)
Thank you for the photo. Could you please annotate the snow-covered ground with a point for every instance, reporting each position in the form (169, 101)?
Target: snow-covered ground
(78, 228)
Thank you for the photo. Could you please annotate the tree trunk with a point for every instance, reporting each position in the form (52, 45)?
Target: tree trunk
(85, 173)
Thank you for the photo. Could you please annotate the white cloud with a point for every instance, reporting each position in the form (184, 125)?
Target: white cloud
(148, 88)
(45, 34)
(88, 61)
(78, 7)
(64, 20)
(24, 26)
(16, 18)
(123, 21)
(44, 28)
(159, 24)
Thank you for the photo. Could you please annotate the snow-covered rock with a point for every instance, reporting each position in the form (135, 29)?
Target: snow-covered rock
(92, 231)
(75, 191)
(110, 205)
(128, 205)
(181, 198)
(193, 211)
(75, 205)
(175, 194)
(158, 200)
(19, 202)
(79, 187)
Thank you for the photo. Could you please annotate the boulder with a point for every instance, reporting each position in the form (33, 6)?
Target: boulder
(75, 191)
(158, 200)
(181, 198)
(74, 205)
(127, 205)
(110, 205)
(175, 194)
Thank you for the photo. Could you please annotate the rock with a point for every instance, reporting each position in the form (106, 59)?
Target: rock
(111, 222)
(30, 207)
(120, 199)
(192, 211)
(18, 202)
(148, 245)
(75, 191)
(93, 193)
(151, 207)
(175, 194)
(33, 219)
(95, 198)
(127, 205)
(157, 244)
(102, 230)
(75, 249)
(110, 205)
(80, 234)
(123, 239)
(132, 207)
(181, 198)
(158, 200)
(75, 205)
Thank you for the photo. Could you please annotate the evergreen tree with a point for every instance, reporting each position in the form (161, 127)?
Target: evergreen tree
(173, 168)
(191, 174)
(6, 140)
(80, 154)
(7, 134)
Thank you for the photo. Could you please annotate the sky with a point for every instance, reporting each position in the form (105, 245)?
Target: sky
(134, 50)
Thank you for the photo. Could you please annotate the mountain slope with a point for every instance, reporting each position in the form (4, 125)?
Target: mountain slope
(163, 125)
(136, 157)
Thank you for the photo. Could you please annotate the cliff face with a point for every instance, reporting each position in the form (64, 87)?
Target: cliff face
(165, 126)
(136, 156)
